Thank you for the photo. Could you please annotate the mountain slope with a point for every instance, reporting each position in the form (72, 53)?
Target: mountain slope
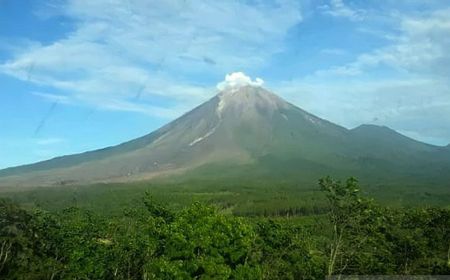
(246, 128)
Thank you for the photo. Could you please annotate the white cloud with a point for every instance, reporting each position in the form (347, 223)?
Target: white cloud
(120, 105)
(237, 80)
(122, 55)
(403, 85)
(53, 97)
(337, 8)
(421, 48)
(49, 141)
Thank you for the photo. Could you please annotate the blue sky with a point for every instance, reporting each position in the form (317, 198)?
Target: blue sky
(81, 75)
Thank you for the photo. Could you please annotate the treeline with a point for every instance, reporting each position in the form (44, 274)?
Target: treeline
(354, 236)
(281, 211)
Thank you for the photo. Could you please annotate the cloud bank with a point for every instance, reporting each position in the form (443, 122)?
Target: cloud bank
(124, 55)
(161, 58)
(403, 84)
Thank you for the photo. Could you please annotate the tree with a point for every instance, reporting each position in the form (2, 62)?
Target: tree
(201, 243)
(345, 206)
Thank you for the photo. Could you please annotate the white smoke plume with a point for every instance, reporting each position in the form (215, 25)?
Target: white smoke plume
(238, 79)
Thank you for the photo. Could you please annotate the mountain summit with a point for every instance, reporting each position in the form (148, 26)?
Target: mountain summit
(247, 132)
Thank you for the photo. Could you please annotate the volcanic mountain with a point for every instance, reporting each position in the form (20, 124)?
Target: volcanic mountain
(248, 132)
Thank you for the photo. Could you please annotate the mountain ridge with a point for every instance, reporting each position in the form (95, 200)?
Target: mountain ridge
(246, 125)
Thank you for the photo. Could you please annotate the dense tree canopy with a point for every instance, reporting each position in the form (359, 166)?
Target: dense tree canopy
(355, 236)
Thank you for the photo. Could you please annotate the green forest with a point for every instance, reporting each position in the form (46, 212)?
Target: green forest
(350, 234)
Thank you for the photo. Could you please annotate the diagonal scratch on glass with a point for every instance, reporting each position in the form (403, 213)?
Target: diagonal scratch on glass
(45, 118)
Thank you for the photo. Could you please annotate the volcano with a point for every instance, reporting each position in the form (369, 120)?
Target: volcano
(246, 132)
